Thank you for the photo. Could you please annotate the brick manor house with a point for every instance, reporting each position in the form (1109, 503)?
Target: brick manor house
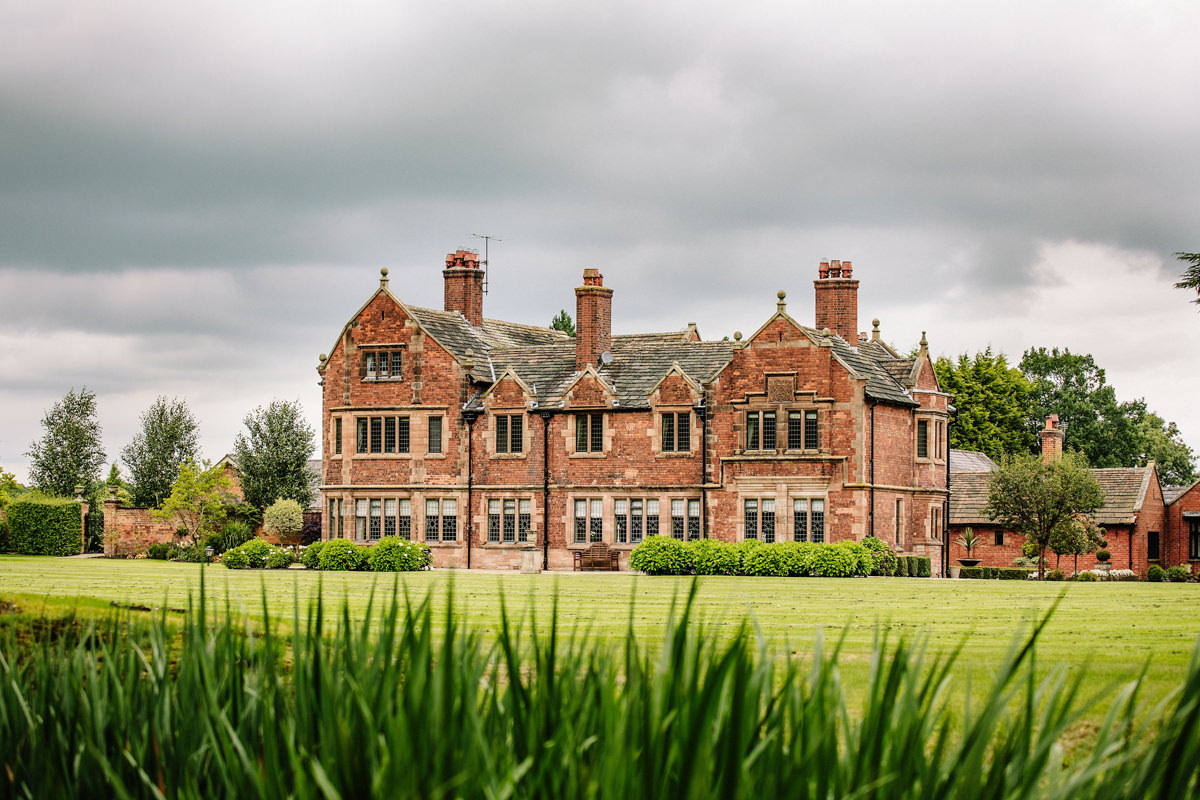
(485, 438)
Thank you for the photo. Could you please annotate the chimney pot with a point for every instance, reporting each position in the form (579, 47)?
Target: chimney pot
(463, 281)
(593, 319)
(837, 300)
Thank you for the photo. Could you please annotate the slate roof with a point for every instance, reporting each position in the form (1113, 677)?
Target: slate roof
(970, 461)
(1173, 493)
(545, 359)
(1124, 491)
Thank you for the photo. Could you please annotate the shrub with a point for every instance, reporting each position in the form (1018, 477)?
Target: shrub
(901, 570)
(4, 545)
(713, 557)
(283, 519)
(1103, 555)
(250, 555)
(45, 526)
(841, 560)
(924, 566)
(194, 553)
(393, 554)
(882, 555)
(1155, 574)
(658, 555)
(744, 548)
(1178, 574)
(162, 551)
(1086, 577)
(310, 556)
(799, 558)
(1056, 575)
(279, 558)
(234, 533)
(767, 560)
(342, 555)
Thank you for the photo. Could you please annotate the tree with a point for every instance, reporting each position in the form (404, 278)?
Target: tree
(273, 459)
(1038, 499)
(563, 323)
(117, 486)
(69, 454)
(1075, 388)
(993, 402)
(1191, 276)
(199, 498)
(285, 520)
(1161, 443)
(165, 442)
(1076, 537)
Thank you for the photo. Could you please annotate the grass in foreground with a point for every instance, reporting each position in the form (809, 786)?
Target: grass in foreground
(420, 704)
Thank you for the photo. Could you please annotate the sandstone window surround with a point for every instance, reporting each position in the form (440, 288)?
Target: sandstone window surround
(383, 435)
(758, 518)
(803, 429)
(375, 517)
(676, 433)
(434, 435)
(922, 438)
(337, 436)
(509, 520)
(685, 518)
(382, 364)
(635, 518)
(589, 520)
(509, 434)
(808, 519)
(589, 433)
(441, 516)
(337, 527)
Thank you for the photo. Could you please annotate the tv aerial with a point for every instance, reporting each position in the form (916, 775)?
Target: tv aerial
(487, 239)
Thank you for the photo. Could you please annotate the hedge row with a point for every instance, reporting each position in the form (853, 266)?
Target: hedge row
(995, 573)
(45, 527)
(662, 555)
(257, 554)
(389, 554)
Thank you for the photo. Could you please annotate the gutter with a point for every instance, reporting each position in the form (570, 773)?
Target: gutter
(470, 417)
(545, 415)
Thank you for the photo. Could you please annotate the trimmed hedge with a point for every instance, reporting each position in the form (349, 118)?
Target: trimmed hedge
(995, 573)
(45, 527)
(1155, 574)
(664, 555)
(257, 554)
(393, 554)
(659, 555)
(714, 557)
(310, 556)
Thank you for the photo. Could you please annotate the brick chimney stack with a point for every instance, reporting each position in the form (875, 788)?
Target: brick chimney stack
(1052, 440)
(837, 299)
(593, 319)
(464, 285)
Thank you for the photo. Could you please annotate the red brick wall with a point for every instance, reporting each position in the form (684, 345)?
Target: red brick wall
(130, 531)
(1175, 539)
(992, 555)
(593, 319)
(463, 284)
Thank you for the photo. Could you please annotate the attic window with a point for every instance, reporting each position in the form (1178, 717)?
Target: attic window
(382, 365)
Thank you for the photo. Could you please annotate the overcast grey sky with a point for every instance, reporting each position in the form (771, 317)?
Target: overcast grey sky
(194, 198)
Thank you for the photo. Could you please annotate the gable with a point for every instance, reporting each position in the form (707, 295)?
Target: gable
(589, 391)
(674, 390)
(508, 392)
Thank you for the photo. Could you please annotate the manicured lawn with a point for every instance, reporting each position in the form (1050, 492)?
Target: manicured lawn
(1109, 629)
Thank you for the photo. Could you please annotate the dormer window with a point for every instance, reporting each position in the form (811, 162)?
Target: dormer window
(380, 365)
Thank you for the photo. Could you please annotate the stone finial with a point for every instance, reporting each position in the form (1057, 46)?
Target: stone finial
(469, 358)
(781, 306)
(737, 336)
(383, 278)
(875, 330)
(924, 342)
(323, 357)
(826, 333)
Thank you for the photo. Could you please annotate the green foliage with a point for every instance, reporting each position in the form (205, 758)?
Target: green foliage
(902, 565)
(1037, 499)
(310, 556)
(198, 500)
(714, 557)
(272, 457)
(45, 526)
(342, 555)
(1086, 577)
(257, 554)
(1191, 275)
(194, 553)
(993, 402)
(1178, 574)
(70, 453)
(968, 539)
(765, 561)
(1109, 433)
(1077, 536)
(799, 558)
(162, 551)
(1155, 574)
(924, 567)
(659, 555)
(167, 440)
(328, 719)
(994, 573)
(744, 548)
(393, 554)
(284, 519)
(562, 322)
(883, 558)
(1056, 575)
(1103, 555)
(231, 535)
(842, 560)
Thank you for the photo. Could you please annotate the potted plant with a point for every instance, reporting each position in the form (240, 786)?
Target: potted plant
(1102, 557)
(969, 540)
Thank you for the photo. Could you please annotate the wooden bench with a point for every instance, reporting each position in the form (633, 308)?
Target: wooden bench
(597, 557)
